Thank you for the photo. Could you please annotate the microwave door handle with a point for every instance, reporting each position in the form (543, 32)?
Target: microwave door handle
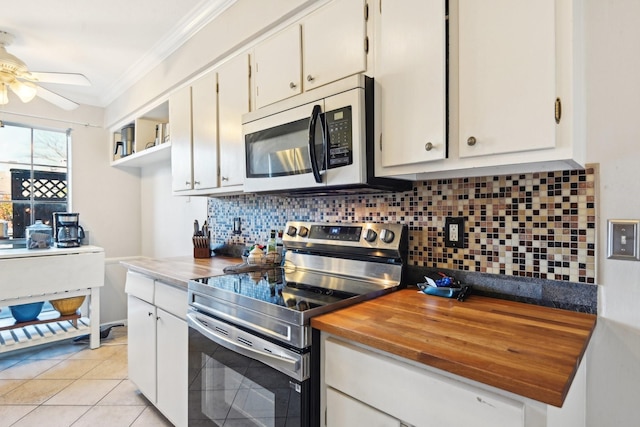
(315, 115)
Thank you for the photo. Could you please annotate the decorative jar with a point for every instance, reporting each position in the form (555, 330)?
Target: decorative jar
(39, 236)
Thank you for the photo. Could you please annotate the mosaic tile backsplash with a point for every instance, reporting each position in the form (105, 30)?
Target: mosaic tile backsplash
(539, 225)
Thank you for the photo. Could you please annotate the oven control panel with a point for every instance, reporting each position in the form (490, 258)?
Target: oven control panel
(388, 236)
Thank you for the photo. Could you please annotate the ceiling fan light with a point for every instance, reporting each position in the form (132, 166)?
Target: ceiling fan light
(26, 91)
(4, 96)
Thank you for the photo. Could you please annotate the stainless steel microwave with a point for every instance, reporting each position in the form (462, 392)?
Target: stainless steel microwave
(318, 141)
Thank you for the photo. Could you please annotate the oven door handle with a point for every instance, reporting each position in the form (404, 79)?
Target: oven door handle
(261, 356)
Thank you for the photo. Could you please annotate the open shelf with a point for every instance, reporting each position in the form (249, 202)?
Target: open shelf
(149, 156)
(150, 129)
(15, 336)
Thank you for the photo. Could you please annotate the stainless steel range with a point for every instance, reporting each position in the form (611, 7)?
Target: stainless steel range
(252, 353)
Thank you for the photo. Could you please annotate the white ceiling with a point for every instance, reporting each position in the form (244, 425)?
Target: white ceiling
(112, 42)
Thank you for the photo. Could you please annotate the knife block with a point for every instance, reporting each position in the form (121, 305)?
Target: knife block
(201, 253)
(201, 247)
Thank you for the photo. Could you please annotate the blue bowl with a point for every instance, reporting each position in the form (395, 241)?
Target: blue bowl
(26, 312)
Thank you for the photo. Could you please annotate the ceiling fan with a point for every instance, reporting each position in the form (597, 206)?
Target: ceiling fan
(15, 75)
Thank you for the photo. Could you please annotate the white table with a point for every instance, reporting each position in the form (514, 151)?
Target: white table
(44, 274)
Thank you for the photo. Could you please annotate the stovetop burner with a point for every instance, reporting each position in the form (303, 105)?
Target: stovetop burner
(271, 285)
(326, 267)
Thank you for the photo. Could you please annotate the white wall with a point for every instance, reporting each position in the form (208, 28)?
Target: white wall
(613, 132)
(108, 199)
(613, 103)
(167, 221)
(243, 21)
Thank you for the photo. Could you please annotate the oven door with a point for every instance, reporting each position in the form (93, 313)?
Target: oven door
(237, 378)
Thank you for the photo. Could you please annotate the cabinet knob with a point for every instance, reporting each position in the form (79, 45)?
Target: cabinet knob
(471, 141)
(292, 85)
(224, 178)
(187, 183)
(428, 146)
(196, 182)
(310, 78)
(150, 314)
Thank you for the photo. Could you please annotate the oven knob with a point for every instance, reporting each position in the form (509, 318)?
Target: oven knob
(387, 236)
(303, 232)
(370, 235)
(291, 231)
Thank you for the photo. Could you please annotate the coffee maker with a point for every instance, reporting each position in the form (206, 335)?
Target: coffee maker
(67, 231)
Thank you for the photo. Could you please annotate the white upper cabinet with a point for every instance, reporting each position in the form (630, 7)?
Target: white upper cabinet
(194, 146)
(327, 45)
(204, 119)
(334, 42)
(516, 93)
(507, 76)
(410, 74)
(277, 67)
(233, 102)
(510, 99)
(180, 119)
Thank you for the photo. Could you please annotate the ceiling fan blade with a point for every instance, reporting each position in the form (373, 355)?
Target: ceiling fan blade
(61, 78)
(56, 99)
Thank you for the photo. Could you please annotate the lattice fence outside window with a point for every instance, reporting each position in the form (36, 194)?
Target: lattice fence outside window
(49, 192)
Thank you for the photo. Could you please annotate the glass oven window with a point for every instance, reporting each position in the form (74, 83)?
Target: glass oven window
(228, 388)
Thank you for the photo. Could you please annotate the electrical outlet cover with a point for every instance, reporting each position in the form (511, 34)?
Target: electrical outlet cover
(452, 225)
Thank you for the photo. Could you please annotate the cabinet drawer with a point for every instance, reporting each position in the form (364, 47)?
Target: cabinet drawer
(140, 286)
(172, 299)
(369, 377)
(342, 410)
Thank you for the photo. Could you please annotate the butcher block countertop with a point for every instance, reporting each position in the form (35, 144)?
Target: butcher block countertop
(525, 349)
(178, 271)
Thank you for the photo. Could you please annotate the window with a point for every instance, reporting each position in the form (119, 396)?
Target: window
(33, 178)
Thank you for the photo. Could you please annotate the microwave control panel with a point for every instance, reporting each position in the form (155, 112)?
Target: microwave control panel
(339, 126)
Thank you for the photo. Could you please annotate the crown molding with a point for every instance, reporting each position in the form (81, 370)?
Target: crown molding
(184, 29)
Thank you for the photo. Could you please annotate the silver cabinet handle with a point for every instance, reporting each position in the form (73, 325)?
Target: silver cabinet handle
(292, 85)
(187, 183)
(196, 182)
(428, 146)
(471, 141)
(310, 78)
(224, 178)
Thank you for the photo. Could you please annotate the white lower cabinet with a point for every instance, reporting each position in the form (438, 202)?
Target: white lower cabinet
(364, 387)
(158, 344)
(172, 361)
(141, 331)
(343, 410)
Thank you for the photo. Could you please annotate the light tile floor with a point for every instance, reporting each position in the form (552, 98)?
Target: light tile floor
(68, 384)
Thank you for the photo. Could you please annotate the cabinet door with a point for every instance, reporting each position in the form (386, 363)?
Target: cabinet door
(173, 363)
(343, 410)
(334, 43)
(204, 119)
(410, 72)
(278, 67)
(507, 72)
(233, 102)
(141, 326)
(428, 398)
(180, 120)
